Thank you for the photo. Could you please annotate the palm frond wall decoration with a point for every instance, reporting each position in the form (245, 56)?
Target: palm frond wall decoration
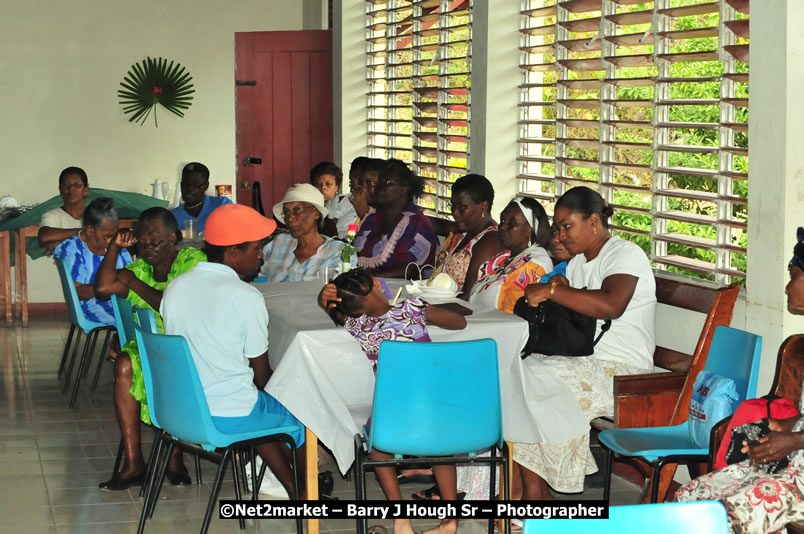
(152, 82)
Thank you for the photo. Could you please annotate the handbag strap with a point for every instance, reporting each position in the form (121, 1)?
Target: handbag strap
(603, 329)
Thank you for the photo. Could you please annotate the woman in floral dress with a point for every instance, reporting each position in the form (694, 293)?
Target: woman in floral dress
(757, 501)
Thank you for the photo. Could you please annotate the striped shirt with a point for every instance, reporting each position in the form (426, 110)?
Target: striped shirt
(281, 264)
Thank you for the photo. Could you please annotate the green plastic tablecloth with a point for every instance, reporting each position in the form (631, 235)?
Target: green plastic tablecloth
(129, 206)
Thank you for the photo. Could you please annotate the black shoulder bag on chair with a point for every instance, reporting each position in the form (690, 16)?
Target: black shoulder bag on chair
(558, 330)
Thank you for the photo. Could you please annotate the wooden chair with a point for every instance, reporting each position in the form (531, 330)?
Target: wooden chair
(786, 384)
(660, 399)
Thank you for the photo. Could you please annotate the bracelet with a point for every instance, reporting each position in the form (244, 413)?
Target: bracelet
(553, 288)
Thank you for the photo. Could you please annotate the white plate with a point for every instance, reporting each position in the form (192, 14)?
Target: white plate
(435, 293)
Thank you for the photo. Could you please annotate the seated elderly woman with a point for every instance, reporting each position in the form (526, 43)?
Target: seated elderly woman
(83, 253)
(142, 283)
(608, 278)
(397, 233)
(298, 255)
(757, 501)
(524, 234)
(476, 243)
(197, 204)
(59, 224)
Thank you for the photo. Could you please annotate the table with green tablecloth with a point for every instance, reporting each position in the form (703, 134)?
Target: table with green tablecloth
(129, 206)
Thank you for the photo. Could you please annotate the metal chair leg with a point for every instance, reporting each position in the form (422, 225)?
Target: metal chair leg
(118, 459)
(148, 486)
(236, 471)
(657, 473)
(66, 349)
(607, 476)
(89, 348)
(255, 484)
(162, 473)
(153, 456)
(492, 484)
(197, 469)
(216, 488)
(296, 482)
(72, 361)
(101, 359)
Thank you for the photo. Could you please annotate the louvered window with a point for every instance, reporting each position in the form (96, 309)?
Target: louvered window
(647, 103)
(419, 74)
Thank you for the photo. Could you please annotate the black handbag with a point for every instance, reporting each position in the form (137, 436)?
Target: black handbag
(558, 330)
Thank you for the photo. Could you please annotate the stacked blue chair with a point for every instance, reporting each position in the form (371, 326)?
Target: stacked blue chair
(80, 322)
(438, 402)
(176, 400)
(733, 354)
(703, 517)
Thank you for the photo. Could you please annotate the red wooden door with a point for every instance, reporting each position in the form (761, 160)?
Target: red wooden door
(283, 110)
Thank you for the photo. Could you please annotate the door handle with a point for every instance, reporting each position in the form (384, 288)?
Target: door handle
(252, 161)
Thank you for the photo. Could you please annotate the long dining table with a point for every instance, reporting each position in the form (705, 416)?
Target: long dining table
(322, 376)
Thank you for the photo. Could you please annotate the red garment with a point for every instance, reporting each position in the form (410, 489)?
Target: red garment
(751, 411)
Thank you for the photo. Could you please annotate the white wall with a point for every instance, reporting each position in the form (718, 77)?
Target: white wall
(776, 184)
(61, 66)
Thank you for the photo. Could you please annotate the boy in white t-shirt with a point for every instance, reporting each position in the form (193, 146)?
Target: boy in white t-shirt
(225, 323)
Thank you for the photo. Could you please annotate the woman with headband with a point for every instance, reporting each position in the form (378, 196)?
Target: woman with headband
(608, 278)
(524, 233)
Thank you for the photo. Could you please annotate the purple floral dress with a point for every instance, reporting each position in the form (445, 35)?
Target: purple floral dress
(403, 322)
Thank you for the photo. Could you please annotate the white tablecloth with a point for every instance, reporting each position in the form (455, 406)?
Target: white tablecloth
(322, 376)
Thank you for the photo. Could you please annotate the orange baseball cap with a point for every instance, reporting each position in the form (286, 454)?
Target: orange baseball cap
(233, 224)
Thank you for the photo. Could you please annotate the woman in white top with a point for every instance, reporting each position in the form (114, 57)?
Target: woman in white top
(608, 278)
(61, 223)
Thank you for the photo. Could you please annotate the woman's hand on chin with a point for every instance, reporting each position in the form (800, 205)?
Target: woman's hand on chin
(125, 239)
(328, 294)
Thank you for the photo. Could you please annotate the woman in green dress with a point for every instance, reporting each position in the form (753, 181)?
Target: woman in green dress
(142, 283)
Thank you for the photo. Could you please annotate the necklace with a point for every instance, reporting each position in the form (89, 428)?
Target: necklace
(186, 207)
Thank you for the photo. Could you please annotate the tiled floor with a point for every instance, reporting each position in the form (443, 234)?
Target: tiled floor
(53, 457)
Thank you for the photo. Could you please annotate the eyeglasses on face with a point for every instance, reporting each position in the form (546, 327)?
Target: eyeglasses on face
(67, 187)
(295, 212)
(387, 183)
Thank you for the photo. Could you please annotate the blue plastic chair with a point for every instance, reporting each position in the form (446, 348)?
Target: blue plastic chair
(733, 354)
(176, 398)
(80, 323)
(434, 401)
(702, 517)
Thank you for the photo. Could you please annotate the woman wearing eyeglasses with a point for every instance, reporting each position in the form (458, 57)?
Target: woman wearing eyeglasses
(299, 254)
(61, 223)
(397, 233)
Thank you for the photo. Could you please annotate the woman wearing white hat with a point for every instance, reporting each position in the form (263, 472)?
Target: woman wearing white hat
(299, 255)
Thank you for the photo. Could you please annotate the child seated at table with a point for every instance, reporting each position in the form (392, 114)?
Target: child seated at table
(357, 301)
(364, 310)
